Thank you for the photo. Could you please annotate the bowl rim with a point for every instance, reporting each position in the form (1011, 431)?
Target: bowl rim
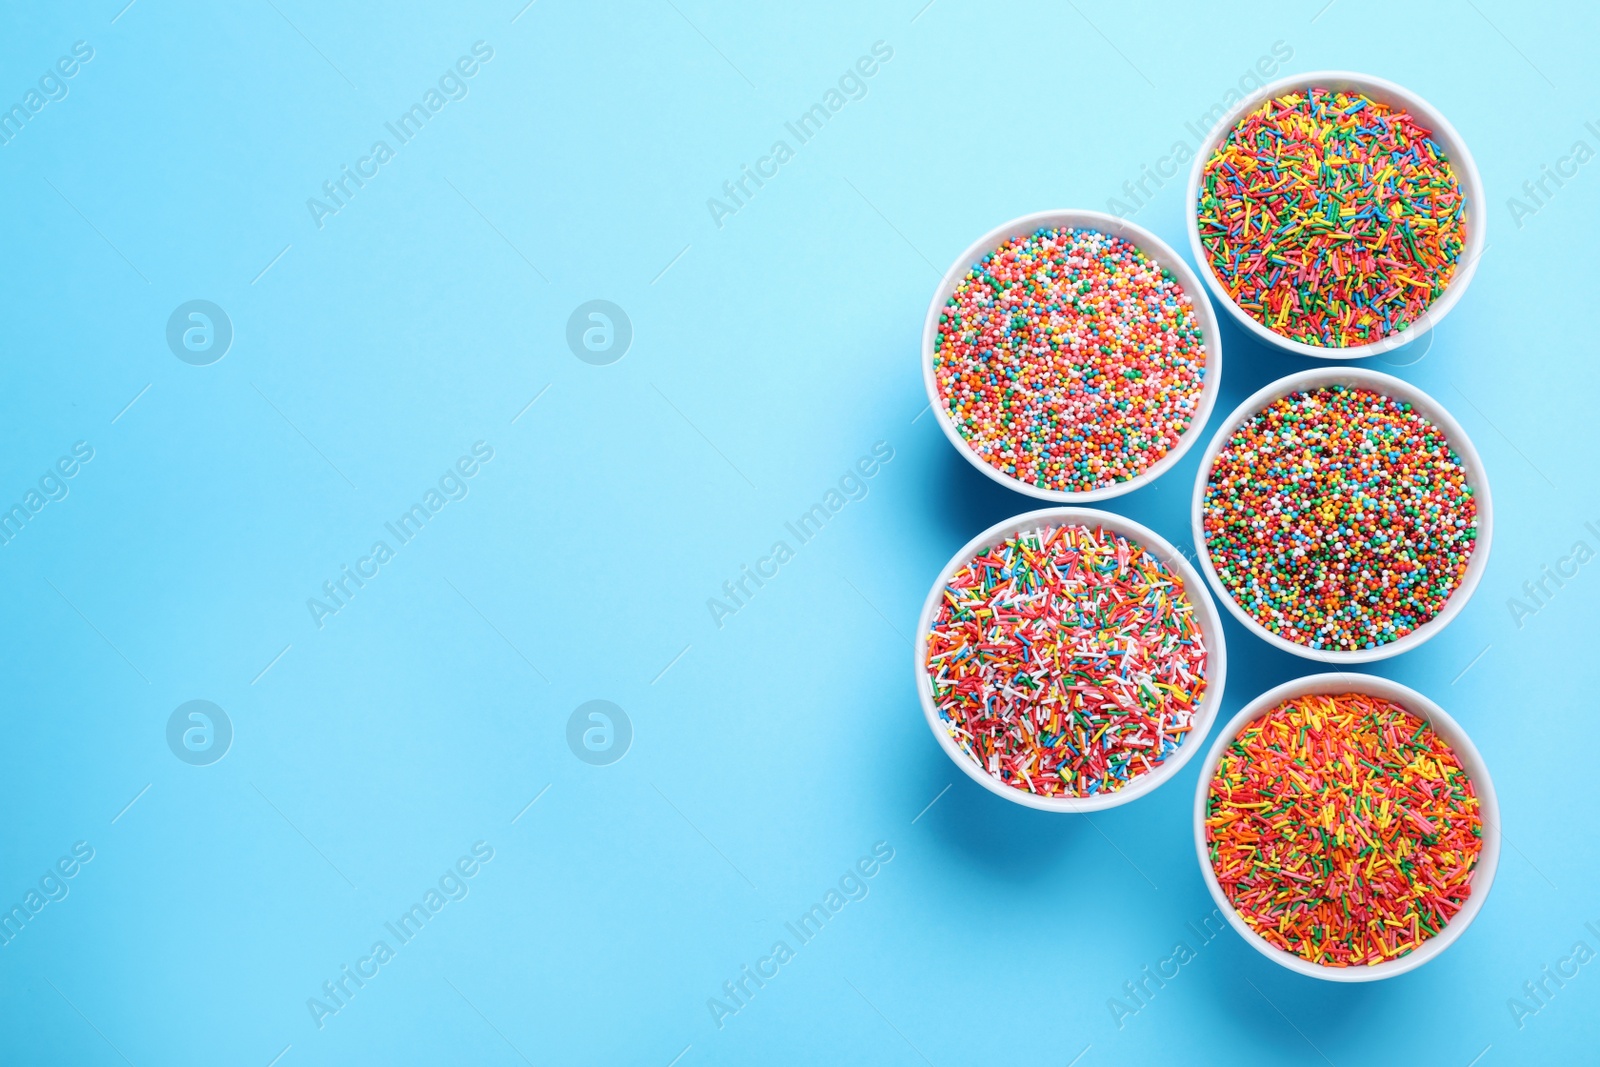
(1440, 129)
(1148, 243)
(1460, 742)
(1436, 413)
(1207, 617)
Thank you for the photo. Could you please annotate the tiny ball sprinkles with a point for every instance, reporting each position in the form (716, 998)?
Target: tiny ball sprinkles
(1069, 359)
(1339, 518)
(1343, 829)
(1330, 218)
(1066, 661)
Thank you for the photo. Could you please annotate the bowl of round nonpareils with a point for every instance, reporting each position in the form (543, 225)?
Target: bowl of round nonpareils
(1071, 355)
(1342, 515)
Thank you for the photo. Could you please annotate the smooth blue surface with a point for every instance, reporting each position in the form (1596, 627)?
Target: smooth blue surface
(769, 753)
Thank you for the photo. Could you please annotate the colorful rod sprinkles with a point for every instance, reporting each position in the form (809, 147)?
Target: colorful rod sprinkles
(1330, 218)
(1339, 518)
(1069, 359)
(1343, 829)
(1066, 661)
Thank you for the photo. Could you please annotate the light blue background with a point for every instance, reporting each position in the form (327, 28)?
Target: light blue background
(767, 357)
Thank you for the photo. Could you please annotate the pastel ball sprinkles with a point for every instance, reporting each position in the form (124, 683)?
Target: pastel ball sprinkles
(1343, 829)
(1339, 518)
(1066, 661)
(1331, 218)
(1069, 360)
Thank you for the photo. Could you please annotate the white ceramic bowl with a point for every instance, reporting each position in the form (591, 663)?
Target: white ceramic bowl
(1206, 617)
(1471, 761)
(1436, 414)
(1444, 134)
(1150, 245)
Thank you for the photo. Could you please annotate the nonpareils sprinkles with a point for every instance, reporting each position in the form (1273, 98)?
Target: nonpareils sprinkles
(1069, 359)
(1339, 518)
(1330, 218)
(1066, 661)
(1343, 829)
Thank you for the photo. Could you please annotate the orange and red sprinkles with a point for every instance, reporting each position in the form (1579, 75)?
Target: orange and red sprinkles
(1343, 829)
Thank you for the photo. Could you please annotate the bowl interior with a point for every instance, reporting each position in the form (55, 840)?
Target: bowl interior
(1206, 616)
(1152, 246)
(1471, 761)
(1385, 92)
(1435, 413)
